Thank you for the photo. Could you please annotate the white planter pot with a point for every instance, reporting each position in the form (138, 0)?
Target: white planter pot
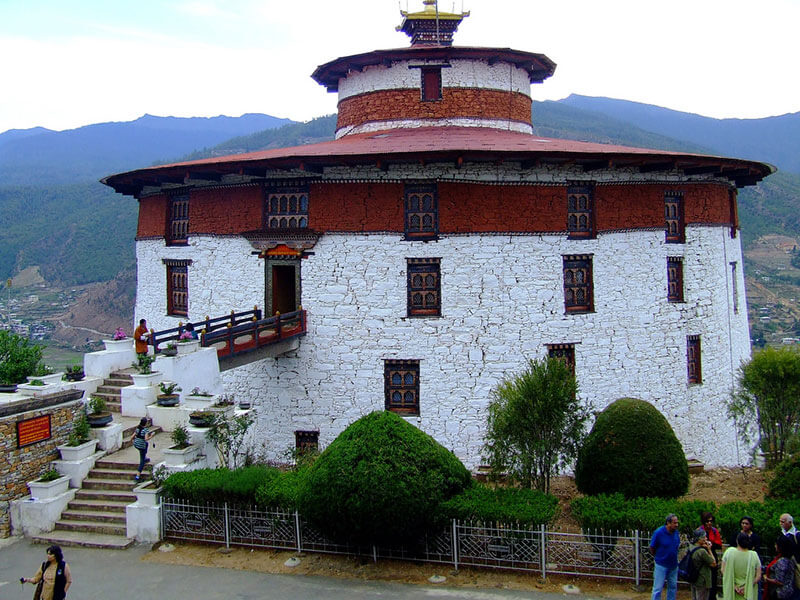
(147, 494)
(148, 380)
(76, 453)
(53, 378)
(118, 345)
(174, 458)
(42, 490)
(187, 347)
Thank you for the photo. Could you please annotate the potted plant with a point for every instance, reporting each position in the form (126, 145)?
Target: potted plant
(144, 375)
(187, 343)
(119, 341)
(168, 397)
(49, 485)
(74, 373)
(170, 350)
(182, 452)
(202, 418)
(79, 445)
(98, 416)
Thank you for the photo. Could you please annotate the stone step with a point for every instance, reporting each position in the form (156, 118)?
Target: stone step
(85, 540)
(109, 389)
(106, 506)
(115, 407)
(93, 516)
(108, 484)
(132, 467)
(111, 473)
(90, 527)
(105, 495)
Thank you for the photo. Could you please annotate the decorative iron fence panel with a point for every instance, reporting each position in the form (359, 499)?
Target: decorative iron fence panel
(492, 545)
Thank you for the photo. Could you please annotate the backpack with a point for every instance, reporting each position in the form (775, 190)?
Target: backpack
(687, 569)
(139, 441)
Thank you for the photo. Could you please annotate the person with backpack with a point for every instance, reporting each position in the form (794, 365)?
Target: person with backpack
(140, 438)
(53, 575)
(699, 564)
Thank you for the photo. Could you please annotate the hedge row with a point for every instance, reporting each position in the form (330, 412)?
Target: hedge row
(270, 487)
(615, 513)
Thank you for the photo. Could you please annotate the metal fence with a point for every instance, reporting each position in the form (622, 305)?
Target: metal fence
(491, 545)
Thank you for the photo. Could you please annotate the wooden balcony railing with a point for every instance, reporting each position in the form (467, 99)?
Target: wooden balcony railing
(238, 332)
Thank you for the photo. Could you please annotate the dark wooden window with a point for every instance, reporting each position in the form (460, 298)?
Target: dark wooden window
(735, 284)
(732, 201)
(287, 208)
(693, 359)
(673, 209)
(401, 386)
(578, 288)
(178, 220)
(580, 212)
(424, 287)
(422, 212)
(305, 441)
(431, 83)
(674, 279)
(178, 290)
(565, 352)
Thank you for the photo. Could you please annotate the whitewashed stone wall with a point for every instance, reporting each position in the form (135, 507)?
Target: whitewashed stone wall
(445, 122)
(478, 74)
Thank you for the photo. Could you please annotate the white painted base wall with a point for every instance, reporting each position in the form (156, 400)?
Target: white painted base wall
(502, 302)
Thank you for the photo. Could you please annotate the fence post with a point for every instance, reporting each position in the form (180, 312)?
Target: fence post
(297, 531)
(455, 545)
(637, 568)
(227, 527)
(543, 553)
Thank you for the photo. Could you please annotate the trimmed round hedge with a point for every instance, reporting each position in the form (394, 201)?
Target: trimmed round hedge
(786, 480)
(632, 450)
(380, 481)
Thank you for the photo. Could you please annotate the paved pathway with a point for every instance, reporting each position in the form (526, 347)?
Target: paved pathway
(121, 575)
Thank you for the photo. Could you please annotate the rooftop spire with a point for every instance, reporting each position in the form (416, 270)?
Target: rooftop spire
(430, 27)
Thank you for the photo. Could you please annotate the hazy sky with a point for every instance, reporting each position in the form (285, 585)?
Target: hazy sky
(64, 64)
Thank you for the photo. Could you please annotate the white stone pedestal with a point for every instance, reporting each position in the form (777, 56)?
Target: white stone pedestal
(143, 517)
(102, 363)
(33, 517)
(197, 437)
(135, 400)
(77, 470)
(109, 438)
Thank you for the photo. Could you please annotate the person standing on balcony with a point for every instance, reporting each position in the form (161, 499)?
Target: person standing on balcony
(141, 336)
(664, 547)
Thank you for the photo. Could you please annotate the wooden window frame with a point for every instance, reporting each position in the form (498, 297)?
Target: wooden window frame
(177, 290)
(424, 297)
(565, 352)
(286, 208)
(675, 279)
(305, 441)
(178, 220)
(416, 216)
(578, 267)
(580, 212)
(408, 390)
(735, 286)
(694, 355)
(430, 83)
(675, 225)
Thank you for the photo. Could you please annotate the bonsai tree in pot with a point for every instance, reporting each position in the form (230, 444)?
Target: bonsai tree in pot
(168, 397)
(180, 438)
(144, 364)
(98, 416)
(74, 373)
(170, 350)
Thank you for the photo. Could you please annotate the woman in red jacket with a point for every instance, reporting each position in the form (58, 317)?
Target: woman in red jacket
(714, 536)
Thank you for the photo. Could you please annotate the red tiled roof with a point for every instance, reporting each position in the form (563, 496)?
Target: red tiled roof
(433, 144)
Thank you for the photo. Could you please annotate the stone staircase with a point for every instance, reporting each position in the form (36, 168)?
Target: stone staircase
(110, 390)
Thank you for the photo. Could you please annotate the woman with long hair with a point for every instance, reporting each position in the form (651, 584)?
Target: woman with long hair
(714, 536)
(779, 576)
(54, 575)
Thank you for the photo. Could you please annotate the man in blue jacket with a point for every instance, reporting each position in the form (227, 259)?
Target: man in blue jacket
(664, 547)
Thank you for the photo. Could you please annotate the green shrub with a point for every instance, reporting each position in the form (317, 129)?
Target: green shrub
(632, 450)
(282, 491)
(786, 482)
(514, 505)
(80, 432)
(18, 358)
(50, 475)
(218, 485)
(381, 480)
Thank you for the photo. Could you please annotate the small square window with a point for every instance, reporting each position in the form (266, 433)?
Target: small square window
(401, 386)
(424, 287)
(421, 212)
(578, 285)
(305, 441)
(673, 209)
(565, 352)
(580, 212)
(674, 279)
(178, 290)
(693, 359)
(178, 220)
(287, 208)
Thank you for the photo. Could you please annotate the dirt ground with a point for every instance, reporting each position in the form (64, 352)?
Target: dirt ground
(720, 485)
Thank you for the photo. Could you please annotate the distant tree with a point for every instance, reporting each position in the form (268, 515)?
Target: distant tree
(769, 395)
(18, 357)
(535, 424)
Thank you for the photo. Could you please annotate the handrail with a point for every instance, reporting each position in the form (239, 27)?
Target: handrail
(238, 332)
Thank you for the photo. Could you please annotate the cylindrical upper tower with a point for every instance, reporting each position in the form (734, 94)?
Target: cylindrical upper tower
(433, 83)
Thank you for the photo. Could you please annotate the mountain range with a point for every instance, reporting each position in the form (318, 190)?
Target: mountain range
(55, 214)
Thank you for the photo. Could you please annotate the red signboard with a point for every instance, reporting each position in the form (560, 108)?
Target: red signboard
(33, 430)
